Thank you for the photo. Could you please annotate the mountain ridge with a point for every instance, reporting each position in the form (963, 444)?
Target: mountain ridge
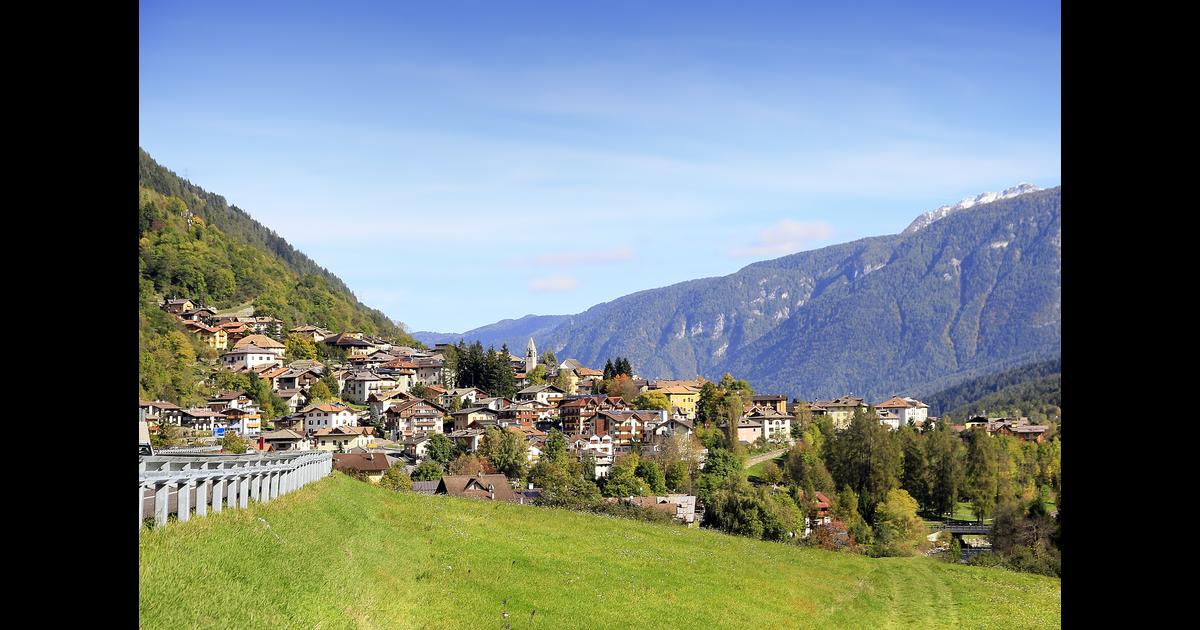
(999, 262)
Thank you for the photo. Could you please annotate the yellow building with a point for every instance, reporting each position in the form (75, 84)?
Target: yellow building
(683, 397)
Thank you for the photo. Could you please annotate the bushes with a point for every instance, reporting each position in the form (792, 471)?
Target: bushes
(396, 479)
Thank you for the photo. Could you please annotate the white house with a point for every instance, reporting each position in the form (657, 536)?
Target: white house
(249, 357)
(328, 416)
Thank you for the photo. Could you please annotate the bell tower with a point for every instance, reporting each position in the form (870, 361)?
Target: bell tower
(531, 357)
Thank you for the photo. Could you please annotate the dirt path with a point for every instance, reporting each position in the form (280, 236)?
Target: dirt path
(750, 461)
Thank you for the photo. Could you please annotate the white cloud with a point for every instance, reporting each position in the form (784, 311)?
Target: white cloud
(585, 257)
(554, 284)
(785, 237)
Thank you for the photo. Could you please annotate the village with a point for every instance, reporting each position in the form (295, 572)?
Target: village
(390, 402)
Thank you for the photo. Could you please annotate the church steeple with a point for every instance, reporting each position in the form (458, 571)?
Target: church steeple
(531, 357)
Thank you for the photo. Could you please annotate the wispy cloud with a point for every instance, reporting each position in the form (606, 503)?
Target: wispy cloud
(554, 284)
(569, 259)
(785, 237)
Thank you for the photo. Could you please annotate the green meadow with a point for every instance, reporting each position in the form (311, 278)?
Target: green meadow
(344, 554)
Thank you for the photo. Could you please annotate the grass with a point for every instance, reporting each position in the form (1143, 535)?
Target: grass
(754, 473)
(345, 554)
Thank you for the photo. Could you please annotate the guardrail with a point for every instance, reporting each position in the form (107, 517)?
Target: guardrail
(179, 484)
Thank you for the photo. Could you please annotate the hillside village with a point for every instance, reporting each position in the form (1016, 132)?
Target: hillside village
(376, 405)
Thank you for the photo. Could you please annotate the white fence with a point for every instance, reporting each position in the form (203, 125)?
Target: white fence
(177, 485)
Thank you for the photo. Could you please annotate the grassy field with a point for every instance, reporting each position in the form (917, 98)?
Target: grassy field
(344, 554)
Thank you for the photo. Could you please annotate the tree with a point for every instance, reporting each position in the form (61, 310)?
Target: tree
(652, 400)
(771, 474)
(943, 455)
(623, 480)
(846, 511)
(650, 472)
(867, 457)
(549, 360)
(555, 450)
(563, 381)
(471, 464)
(441, 449)
(428, 470)
(319, 392)
(298, 348)
(396, 479)
(233, 443)
(898, 529)
(537, 376)
(676, 475)
(982, 476)
(507, 451)
(915, 474)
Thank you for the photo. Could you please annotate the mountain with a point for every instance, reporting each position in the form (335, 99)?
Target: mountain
(1033, 390)
(967, 290)
(514, 332)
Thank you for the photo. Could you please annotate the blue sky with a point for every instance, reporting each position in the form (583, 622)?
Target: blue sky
(458, 163)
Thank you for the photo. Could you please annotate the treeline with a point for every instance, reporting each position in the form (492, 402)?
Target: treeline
(490, 371)
(879, 481)
(1031, 390)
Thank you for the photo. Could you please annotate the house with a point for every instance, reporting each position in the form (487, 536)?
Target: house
(776, 427)
(466, 396)
(381, 400)
(683, 397)
(660, 432)
(271, 374)
(413, 417)
(824, 515)
(416, 446)
(293, 397)
(475, 417)
(249, 358)
(247, 422)
(328, 416)
(316, 333)
(545, 394)
(776, 401)
(681, 507)
(576, 413)
(909, 410)
(467, 439)
(748, 429)
(215, 338)
(625, 427)
(360, 385)
(1027, 432)
(231, 400)
(599, 446)
(261, 341)
(490, 487)
(352, 345)
(343, 438)
(202, 419)
(166, 413)
(840, 410)
(373, 465)
(177, 306)
(202, 314)
(263, 325)
(285, 440)
(299, 377)
(889, 418)
(234, 329)
(427, 488)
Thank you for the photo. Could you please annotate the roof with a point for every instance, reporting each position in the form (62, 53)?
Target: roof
(251, 349)
(477, 486)
(365, 462)
(262, 341)
(283, 434)
(329, 407)
(426, 487)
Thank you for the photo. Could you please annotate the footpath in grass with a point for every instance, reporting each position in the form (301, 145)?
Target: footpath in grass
(344, 554)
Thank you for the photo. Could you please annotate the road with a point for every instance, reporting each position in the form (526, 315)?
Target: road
(764, 457)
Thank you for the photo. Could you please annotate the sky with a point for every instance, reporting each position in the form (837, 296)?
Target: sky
(459, 163)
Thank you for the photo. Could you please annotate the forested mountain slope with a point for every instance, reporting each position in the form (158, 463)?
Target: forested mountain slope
(971, 293)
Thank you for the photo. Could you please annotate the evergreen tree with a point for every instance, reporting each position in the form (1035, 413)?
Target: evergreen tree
(982, 475)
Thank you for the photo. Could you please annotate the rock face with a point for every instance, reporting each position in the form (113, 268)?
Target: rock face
(965, 290)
